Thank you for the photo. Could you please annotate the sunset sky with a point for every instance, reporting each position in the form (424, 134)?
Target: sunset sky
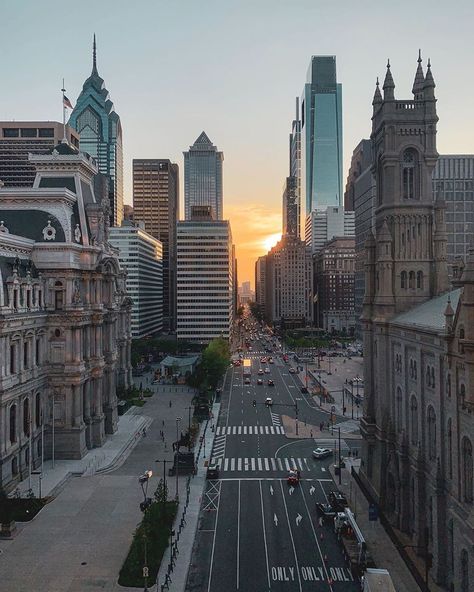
(233, 69)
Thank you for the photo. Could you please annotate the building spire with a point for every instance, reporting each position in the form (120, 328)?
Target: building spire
(377, 94)
(94, 57)
(388, 85)
(419, 81)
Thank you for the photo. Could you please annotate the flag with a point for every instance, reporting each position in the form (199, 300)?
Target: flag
(67, 103)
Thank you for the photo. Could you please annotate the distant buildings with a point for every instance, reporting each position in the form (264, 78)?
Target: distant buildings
(127, 212)
(321, 135)
(100, 130)
(246, 295)
(260, 279)
(156, 203)
(205, 292)
(141, 255)
(334, 281)
(20, 138)
(324, 224)
(64, 317)
(203, 177)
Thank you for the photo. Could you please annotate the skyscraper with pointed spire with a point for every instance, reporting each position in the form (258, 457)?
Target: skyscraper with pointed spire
(203, 177)
(100, 130)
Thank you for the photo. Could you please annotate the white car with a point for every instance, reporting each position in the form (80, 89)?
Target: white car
(268, 401)
(320, 453)
(260, 371)
(267, 370)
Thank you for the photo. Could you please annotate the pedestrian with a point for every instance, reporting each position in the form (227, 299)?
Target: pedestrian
(170, 403)
(311, 433)
(163, 423)
(321, 521)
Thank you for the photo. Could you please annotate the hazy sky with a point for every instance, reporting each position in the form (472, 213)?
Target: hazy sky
(233, 68)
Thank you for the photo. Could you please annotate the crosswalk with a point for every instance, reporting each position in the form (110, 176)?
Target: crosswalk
(263, 464)
(276, 419)
(346, 427)
(218, 449)
(331, 443)
(250, 430)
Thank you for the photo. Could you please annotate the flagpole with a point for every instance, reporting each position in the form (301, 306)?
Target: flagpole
(63, 90)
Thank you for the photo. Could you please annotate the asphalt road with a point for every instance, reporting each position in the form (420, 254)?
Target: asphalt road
(257, 533)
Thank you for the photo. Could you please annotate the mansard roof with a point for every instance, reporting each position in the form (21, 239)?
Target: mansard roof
(430, 314)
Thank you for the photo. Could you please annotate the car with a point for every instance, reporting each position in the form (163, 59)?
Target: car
(247, 380)
(267, 370)
(270, 382)
(325, 510)
(270, 361)
(320, 453)
(337, 500)
(212, 471)
(292, 370)
(237, 363)
(293, 477)
(268, 401)
(260, 371)
(304, 390)
(259, 381)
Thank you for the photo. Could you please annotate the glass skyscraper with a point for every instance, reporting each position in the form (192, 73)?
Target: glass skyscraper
(203, 177)
(95, 119)
(321, 122)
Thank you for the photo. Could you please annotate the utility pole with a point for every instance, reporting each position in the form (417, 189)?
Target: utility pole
(339, 460)
(296, 419)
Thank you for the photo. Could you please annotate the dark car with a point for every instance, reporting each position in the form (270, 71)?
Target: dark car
(325, 510)
(304, 390)
(270, 382)
(337, 500)
(212, 471)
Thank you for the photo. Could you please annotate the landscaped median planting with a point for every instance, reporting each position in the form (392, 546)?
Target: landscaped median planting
(152, 534)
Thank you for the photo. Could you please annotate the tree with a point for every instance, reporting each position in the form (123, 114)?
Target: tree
(161, 493)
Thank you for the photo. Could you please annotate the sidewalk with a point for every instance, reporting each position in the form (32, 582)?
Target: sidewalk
(379, 544)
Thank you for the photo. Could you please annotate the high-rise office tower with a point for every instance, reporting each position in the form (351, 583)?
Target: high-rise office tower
(203, 177)
(321, 134)
(291, 207)
(156, 203)
(100, 130)
(20, 138)
(293, 187)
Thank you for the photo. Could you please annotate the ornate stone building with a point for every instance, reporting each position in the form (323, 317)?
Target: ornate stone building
(64, 316)
(418, 423)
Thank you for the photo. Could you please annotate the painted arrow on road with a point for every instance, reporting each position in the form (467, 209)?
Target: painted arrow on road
(275, 519)
(312, 490)
(299, 518)
(291, 490)
(271, 490)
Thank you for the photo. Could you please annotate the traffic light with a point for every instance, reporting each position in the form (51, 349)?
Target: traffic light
(254, 403)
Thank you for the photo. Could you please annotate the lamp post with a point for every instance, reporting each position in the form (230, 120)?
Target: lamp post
(178, 421)
(189, 427)
(144, 505)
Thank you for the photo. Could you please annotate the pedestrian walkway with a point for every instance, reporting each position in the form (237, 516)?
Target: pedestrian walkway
(218, 449)
(250, 430)
(276, 419)
(264, 464)
(347, 427)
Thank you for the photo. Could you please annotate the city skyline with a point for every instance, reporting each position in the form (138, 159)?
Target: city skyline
(246, 128)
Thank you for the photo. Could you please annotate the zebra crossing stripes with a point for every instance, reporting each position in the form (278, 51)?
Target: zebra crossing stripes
(249, 430)
(252, 464)
(331, 443)
(346, 427)
(276, 419)
(219, 446)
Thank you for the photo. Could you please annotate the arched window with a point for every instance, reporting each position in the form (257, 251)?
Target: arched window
(403, 280)
(415, 371)
(414, 420)
(38, 418)
(411, 280)
(411, 368)
(419, 280)
(431, 433)
(428, 376)
(12, 424)
(380, 181)
(448, 385)
(464, 571)
(399, 409)
(433, 381)
(449, 433)
(408, 174)
(467, 470)
(462, 393)
(26, 417)
(58, 296)
(461, 336)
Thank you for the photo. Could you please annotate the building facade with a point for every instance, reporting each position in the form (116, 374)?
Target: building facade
(205, 291)
(156, 203)
(95, 119)
(334, 286)
(288, 284)
(203, 181)
(260, 279)
(20, 138)
(321, 135)
(359, 197)
(418, 426)
(323, 225)
(64, 317)
(141, 256)
(291, 207)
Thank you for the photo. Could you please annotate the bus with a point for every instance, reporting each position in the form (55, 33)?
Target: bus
(247, 365)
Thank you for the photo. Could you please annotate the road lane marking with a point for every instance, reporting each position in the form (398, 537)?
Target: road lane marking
(280, 464)
(287, 464)
(299, 518)
(264, 536)
(232, 464)
(238, 540)
(213, 544)
(253, 464)
(239, 464)
(291, 536)
(245, 430)
(259, 463)
(275, 519)
(226, 464)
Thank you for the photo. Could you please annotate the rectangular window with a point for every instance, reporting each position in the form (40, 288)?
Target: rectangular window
(38, 352)
(25, 354)
(12, 359)
(28, 132)
(12, 132)
(47, 132)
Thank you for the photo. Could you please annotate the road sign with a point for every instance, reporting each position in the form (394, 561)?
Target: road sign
(145, 572)
(373, 513)
(333, 409)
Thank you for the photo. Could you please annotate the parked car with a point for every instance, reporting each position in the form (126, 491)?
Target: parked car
(212, 471)
(337, 500)
(320, 453)
(325, 510)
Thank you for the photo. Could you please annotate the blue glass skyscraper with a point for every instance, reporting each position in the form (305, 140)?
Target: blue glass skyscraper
(321, 121)
(100, 130)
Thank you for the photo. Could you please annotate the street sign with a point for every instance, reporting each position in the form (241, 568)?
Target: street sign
(333, 408)
(145, 572)
(373, 513)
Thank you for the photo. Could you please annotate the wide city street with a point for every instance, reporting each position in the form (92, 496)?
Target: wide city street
(256, 531)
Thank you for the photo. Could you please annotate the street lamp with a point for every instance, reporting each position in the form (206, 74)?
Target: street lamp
(178, 421)
(144, 505)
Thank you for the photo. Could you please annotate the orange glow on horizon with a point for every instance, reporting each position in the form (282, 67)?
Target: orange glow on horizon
(271, 241)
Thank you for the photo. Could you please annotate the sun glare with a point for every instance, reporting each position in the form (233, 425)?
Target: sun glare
(271, 241)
